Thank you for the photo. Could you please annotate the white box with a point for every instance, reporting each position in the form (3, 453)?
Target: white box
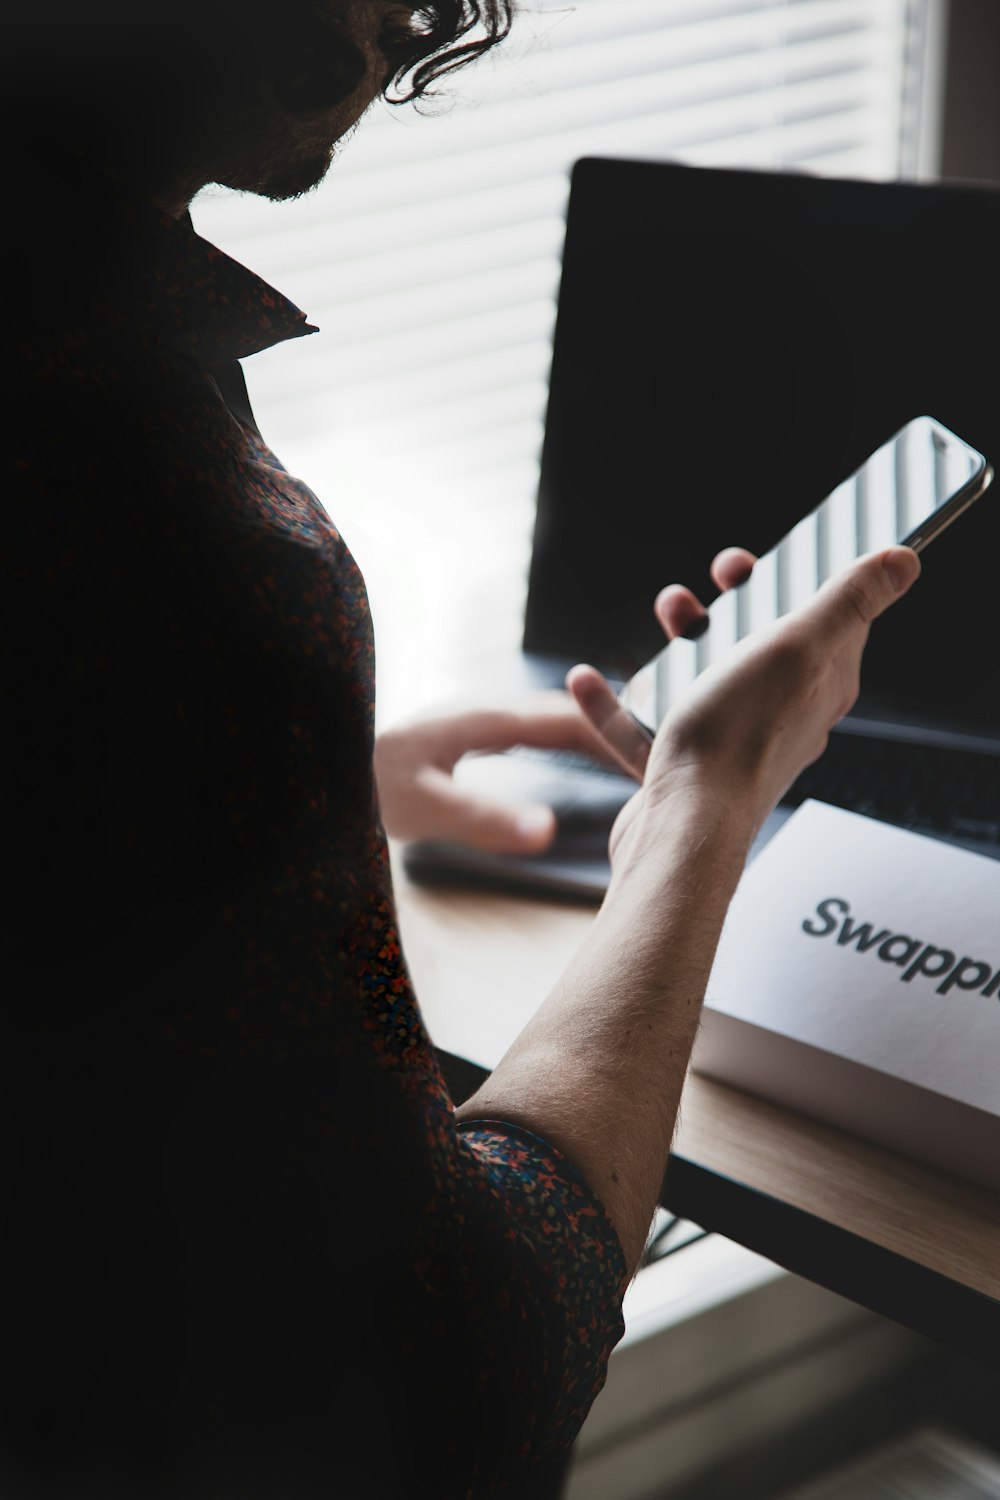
(858, 981)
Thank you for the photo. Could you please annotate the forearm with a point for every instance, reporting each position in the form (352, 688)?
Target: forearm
(599, 1070)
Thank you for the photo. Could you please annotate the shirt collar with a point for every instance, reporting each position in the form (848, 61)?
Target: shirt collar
(210, 302)
(101, 255)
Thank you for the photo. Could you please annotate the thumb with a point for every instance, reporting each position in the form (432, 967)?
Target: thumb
(866, 589)
(903, 567)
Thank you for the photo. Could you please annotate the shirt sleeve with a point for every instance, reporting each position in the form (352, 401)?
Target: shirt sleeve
(558, 1221)
(238, 1174)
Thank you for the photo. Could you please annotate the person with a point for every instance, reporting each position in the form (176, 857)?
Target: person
(251, 1249)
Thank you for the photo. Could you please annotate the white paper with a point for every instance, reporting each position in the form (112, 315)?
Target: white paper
(887, 997)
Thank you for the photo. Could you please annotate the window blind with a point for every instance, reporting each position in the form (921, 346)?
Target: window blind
(429, 257)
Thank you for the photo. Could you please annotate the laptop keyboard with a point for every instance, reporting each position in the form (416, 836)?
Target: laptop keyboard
(946, 794)
(941, 792)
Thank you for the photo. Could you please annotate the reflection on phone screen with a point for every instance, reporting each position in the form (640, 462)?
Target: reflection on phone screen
(906, 492)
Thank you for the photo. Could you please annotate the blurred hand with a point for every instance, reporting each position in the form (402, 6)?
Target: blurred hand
(414, 762)
(752, 723)
(420, 799)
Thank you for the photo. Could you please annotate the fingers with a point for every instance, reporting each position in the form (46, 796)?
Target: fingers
(496, 829)
(862, 592)
(547, 721)
(451, 812)
(677, 609)
(617, 729)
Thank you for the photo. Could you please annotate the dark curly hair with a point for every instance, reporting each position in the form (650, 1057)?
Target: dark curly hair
(88, 73)
(444, 35)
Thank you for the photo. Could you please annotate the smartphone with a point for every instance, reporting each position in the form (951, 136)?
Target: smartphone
(907, 492)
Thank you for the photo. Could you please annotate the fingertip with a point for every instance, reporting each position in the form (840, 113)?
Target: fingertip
(903, 567)
(732, 566)
(697, 628)
(588, 686)
(535, 827)
(582, 679)
(677, 609)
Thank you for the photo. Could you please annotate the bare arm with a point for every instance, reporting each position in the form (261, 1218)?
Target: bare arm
(599, 1069)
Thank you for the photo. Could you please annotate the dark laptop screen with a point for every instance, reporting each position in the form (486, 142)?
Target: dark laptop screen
(729, 346)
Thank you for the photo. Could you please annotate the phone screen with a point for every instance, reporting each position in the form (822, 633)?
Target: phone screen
(907, 492)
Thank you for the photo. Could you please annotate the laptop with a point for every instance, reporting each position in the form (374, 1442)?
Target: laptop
(730, 345)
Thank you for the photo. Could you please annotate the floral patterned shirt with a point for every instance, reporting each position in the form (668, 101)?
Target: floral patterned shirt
(254, 1255)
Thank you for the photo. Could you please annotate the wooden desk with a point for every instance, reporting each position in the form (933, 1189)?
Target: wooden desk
(908, 1242)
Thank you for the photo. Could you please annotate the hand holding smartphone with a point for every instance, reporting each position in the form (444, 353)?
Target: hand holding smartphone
(907, 492)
